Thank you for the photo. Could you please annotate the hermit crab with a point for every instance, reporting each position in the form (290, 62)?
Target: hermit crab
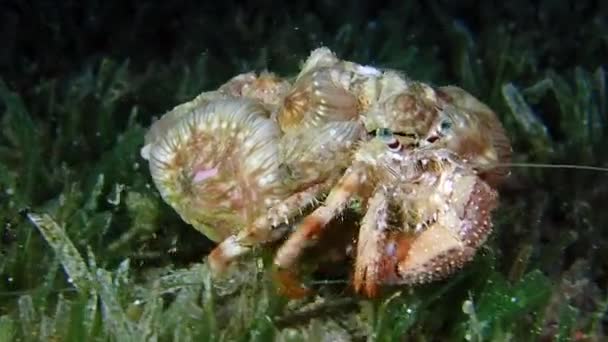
(243, 163)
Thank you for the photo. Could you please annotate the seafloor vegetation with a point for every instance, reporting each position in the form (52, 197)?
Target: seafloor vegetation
(88, 251)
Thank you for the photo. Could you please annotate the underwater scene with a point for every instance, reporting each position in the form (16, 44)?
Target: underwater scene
(306, 171)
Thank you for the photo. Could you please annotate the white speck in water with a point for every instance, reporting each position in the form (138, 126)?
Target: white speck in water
(10, 279)
(10, 191)
(467, 307)
(70, 280)
(137, 302)
(513, 299)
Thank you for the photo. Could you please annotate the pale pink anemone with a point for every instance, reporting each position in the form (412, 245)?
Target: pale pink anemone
(217, 165)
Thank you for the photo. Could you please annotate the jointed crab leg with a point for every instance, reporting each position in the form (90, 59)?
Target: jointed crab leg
(266, 229)
(371, 242)
(293, 205)
(229, 249)
(311, 227)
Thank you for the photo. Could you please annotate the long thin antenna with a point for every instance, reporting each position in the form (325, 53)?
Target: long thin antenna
(554, 166)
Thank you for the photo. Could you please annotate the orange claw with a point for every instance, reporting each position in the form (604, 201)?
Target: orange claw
(289, 285)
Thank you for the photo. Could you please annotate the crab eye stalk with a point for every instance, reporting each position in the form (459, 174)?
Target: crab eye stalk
(444, 129)
(384, 134)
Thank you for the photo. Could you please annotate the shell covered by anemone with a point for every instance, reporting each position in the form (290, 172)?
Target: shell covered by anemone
(218, 167)
(326, 90)
(266, 88)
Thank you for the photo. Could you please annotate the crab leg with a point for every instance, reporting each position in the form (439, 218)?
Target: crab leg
(380, 248)
(224, 253)
(370, 244)
(266, 229)
(313, 224)
(293, 205)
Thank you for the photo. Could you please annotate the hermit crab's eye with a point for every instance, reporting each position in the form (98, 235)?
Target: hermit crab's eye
(387, 136)
(445, 125)
(384, 133)
(444, 129)
(394, 145)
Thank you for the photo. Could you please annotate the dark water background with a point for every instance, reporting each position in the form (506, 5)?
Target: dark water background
(53, 55)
